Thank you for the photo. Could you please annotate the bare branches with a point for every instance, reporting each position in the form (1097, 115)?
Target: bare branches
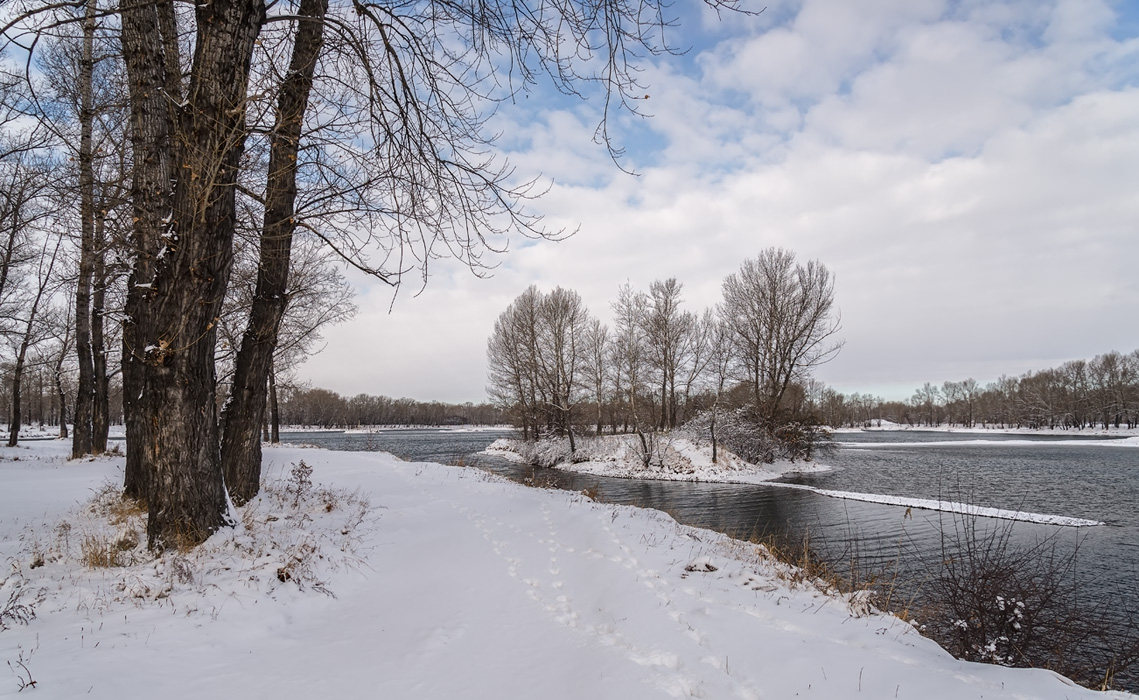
(783, 322)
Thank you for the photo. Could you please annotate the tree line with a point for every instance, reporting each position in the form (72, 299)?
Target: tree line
(1101, 392)
(303, 406)
(168, 169)
(556, 369)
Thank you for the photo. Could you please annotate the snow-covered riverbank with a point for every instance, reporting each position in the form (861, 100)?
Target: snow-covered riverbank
(452, 584)
(1081, 434)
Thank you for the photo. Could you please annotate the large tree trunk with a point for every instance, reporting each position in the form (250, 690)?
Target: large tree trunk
(187, 500)
(186, 492)
(81, 436)
(153, 91)
(245, 410)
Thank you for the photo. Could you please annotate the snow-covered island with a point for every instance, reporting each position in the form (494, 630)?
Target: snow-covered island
(672, 458)
(375, 578)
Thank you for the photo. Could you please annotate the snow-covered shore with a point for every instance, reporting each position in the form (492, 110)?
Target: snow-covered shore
(1081, 435)
(453, 584)
(675, 458)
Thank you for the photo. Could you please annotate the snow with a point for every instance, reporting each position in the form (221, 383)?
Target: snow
(949, 507)
(1113, 442)
(675, 459)
(432, 582)
(885, 426)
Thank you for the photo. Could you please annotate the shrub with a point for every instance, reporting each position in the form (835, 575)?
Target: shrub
(994, 600)
(752, 437)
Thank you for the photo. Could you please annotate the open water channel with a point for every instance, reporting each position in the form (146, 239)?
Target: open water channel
(1062, 475)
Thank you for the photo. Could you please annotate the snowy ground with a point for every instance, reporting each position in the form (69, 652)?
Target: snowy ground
(674, 459)
(431, 582)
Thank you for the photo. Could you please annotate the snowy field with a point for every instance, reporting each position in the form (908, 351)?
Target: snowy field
(388, 579)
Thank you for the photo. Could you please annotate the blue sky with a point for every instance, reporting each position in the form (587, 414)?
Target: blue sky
(969, 170)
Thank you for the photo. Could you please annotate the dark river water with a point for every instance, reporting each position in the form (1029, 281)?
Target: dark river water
(1097, 482)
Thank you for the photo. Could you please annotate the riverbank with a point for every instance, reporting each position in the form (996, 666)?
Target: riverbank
(672, 458)
(1090, 431)
(415, 580)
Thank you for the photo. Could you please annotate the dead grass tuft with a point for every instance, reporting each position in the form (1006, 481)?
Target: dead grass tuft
(806, 562)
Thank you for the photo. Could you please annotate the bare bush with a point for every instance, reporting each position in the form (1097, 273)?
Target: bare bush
(752, 437)
(995, 600)
(299, 484)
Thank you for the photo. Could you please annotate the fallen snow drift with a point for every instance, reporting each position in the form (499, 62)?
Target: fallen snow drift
(456, 584)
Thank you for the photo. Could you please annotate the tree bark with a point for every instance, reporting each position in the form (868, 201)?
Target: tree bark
(60, 394)
(186, 492)
(245, 410)
(81, 443)
(152, 92)
(274, 408)
(100, 407)
(16, 414)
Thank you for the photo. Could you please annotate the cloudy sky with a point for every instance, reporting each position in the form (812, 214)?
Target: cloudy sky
(968, 170)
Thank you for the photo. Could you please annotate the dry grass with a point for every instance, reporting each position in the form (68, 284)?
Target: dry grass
(111, 537)
(109, 503)
(806, 562)
(18, 606)
(294, 533)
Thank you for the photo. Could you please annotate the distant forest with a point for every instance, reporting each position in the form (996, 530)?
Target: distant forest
(1101, 392)
(327, 409)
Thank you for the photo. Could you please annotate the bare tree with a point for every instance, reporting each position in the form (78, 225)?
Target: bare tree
(34, 329)
(783, 323)
(540, 360)
(241, 444)
(668, 330)
(697, 353)
(512, 365)
(83, 436)
(630, 349)
(720, 362)
(563, 320)
(319, 296)
(63, 334)
(597, 353)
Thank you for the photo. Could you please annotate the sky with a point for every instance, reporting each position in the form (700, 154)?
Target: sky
(969, 171)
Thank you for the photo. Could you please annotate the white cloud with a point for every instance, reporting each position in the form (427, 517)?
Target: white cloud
(968, 171)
